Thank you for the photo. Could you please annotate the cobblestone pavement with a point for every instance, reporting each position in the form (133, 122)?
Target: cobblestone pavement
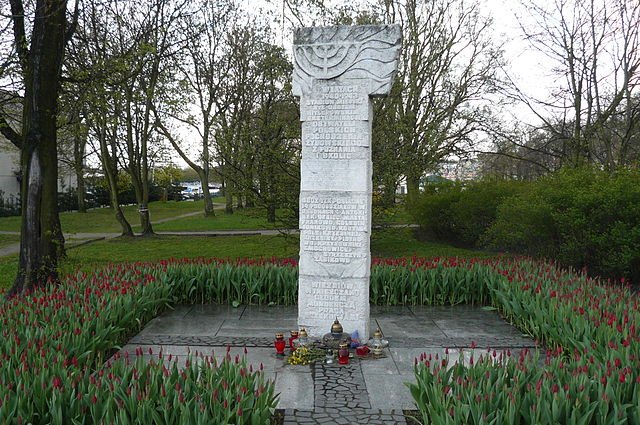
(368, 390)
(341, 398)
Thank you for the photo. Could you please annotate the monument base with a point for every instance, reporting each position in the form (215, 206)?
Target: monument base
(323, 299)
(317, 328)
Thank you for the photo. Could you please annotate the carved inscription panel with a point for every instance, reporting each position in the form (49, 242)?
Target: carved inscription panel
(332, 297)
(341, 140)
(334, 229)
(335, 101)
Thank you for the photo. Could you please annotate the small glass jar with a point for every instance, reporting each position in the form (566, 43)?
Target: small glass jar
(328, 359)
(303, 339)
(292, 339)
(280, 344)
(377, 343)
(343, 354)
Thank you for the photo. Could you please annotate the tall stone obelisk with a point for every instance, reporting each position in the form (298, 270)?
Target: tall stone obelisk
(336, 71)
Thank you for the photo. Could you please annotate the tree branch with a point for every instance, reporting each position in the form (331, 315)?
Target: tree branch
(8, 132)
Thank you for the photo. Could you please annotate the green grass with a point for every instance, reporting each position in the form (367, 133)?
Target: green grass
(8, 240)
(400, 242)
(102, 220)
(101, 253)
(8, 270)
(254, 218)
(384, 243)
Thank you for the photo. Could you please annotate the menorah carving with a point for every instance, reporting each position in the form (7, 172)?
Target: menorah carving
(360, 52)
(336, 71)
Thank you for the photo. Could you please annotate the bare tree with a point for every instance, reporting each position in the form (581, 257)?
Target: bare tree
(595, 48)
(449, 66)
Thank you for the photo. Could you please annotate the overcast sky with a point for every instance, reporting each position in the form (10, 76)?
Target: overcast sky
(525, 65)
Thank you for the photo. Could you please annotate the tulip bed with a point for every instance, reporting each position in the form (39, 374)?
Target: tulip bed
(588, 374)
(56, 340)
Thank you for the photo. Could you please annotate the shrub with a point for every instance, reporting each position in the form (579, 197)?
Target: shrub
(9, 206)
(583, 218)
(460, 213)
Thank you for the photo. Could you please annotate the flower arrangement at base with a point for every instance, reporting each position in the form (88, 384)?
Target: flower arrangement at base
(305, 355)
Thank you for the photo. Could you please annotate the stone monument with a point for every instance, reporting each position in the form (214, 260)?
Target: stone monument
(336, 71)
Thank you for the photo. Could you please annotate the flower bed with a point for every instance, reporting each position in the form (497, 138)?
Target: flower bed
(590, 373)
(55, 342)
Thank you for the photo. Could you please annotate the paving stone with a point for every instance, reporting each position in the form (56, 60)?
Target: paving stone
(389, 392)
(368, 390)
(172, 326)
(296, 390)
(209, 341)
(217, 311)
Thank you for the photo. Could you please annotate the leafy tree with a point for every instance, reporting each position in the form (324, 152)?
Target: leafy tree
(97, 70)
(276, 140)
(202, 71)
(39, 46)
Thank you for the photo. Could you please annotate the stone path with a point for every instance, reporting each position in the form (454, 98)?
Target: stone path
(371, 391)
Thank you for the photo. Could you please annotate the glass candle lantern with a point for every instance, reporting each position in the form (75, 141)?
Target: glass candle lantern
(280, 344)
(328, 359)
(377, 343)
(303, 339)
(292, 338)
(343, 354)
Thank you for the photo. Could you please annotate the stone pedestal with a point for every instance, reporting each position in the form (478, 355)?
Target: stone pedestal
(337, 70)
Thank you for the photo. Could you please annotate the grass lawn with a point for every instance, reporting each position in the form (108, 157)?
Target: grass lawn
(396, 215)
(117, 250)
(254, 218)
(8, 240)
(384, 243)
(102, 220)
(400, 242)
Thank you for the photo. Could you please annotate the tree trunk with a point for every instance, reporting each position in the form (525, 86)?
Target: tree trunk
(413, 187)
(271, 212)
(79, 145)
(145, 219)
(80, 191)
(145, 216)
(41, 239)
(239, 199)
(109, 167)
(228, 198)
(389, 193)
(204, 184)
(125, 227)
(250, 200)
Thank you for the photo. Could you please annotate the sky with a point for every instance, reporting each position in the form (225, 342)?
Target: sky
(529, 68)
(526, 66)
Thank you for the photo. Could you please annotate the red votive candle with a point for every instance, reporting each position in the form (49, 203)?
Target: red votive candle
(280, 344)
(343, 354)
(294, 336)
